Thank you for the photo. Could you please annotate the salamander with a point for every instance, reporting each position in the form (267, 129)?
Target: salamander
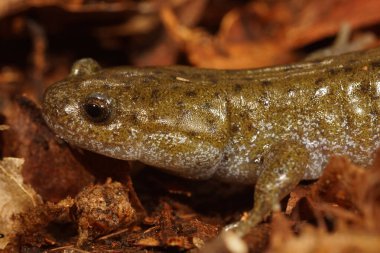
(271, 127)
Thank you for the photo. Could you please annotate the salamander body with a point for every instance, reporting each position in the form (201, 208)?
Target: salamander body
(271, 126)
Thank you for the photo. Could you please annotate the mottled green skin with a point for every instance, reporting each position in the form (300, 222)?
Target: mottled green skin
(273, 126)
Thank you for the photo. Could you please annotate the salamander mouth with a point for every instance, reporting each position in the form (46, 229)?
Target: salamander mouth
(70, 135)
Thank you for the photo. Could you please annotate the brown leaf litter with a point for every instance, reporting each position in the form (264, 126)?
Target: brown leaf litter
(39, 41)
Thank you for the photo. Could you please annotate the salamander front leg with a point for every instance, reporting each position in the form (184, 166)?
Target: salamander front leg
(284, 167)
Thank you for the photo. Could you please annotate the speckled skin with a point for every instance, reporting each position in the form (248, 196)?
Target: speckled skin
(271, 126)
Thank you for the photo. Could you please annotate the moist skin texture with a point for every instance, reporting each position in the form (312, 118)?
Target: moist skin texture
(271, 126)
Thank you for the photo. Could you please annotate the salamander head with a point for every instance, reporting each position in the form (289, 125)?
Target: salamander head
(86, 110)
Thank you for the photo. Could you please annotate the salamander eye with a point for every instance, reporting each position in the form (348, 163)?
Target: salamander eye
(97, 108)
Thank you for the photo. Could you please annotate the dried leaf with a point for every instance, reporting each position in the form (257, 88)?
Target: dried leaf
(44, 154)
(15, 196)
(226, 242)
(249, 37)
(4, 127)
(150, 241)
(8, 7)
(315, 241)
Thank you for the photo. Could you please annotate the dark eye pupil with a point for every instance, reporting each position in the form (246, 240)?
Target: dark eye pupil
(97, 109)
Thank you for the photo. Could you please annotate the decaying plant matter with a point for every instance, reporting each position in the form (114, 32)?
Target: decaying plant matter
(65, 190)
